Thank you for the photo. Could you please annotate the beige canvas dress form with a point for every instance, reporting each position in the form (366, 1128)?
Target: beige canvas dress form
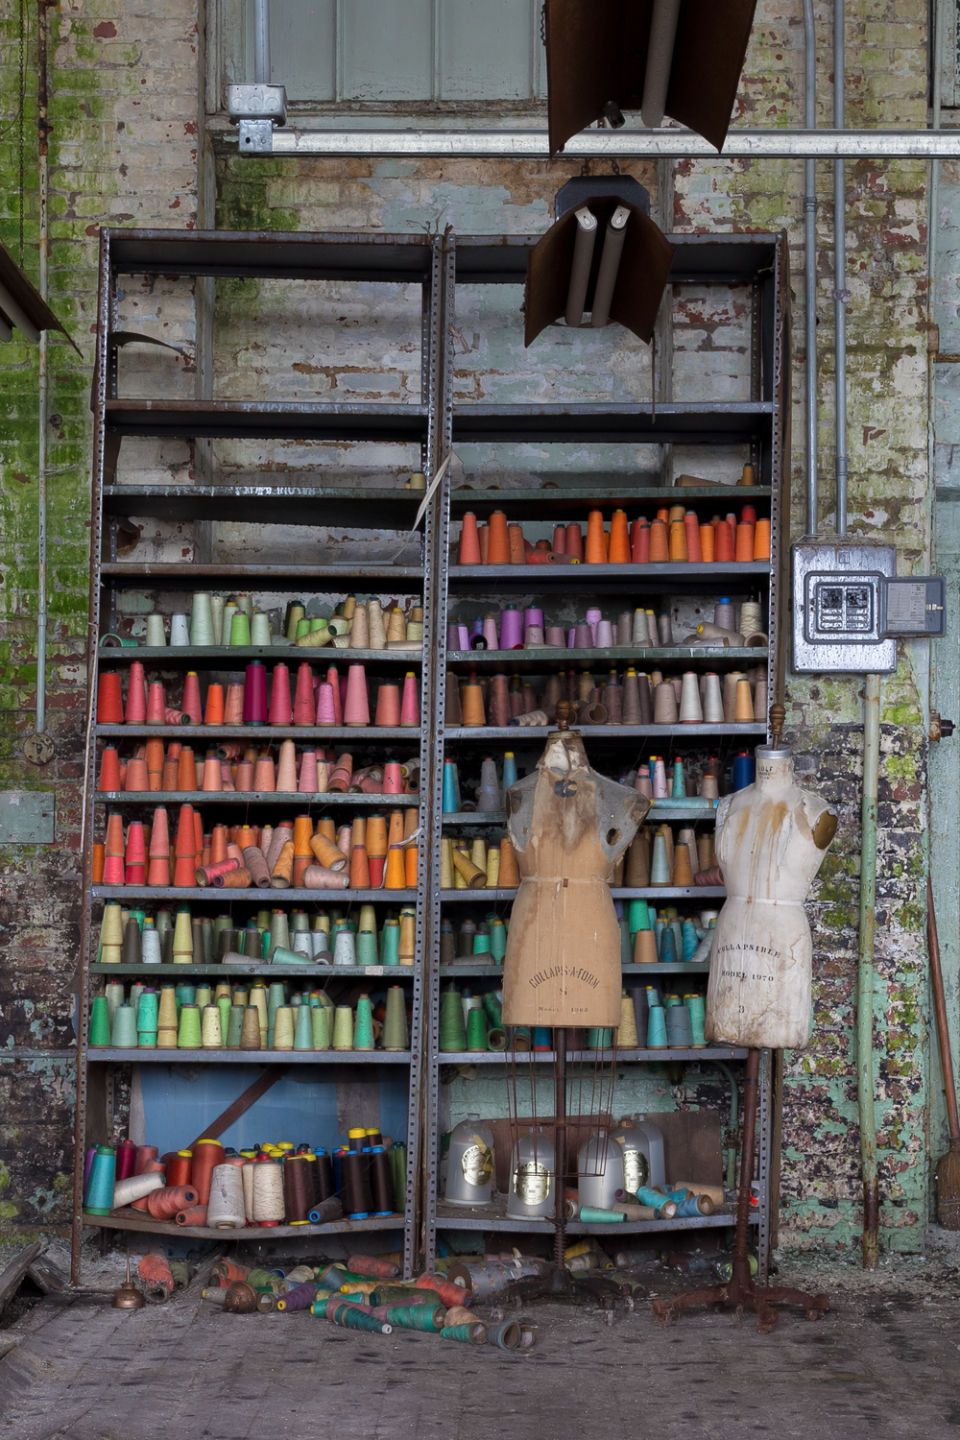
(770, 841)
(568, 825)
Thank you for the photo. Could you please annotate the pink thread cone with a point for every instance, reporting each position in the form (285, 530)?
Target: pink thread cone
(191, 698)
(410, 705)
(156, 704)
(388, 705)
(136, 710)
(326, 710)
(136, 777)
(307, 784)
(244, 780)
(233, 705)
(392, 778)
(158, 871)
(255, 694)
(303, 703)
(212, 779)
(281, 710)
(356, 711)
(264, 776)
(287, 768)
(333, 680)
(226, 776)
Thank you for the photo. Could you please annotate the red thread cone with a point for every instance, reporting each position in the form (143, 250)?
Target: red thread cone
(191, 698)
(303, 704)
(113, 851)
(109, 699)
(213, 712)
(469, 552)
(110, 769)
(136, 711)
(333, 680)
(233, 705)
(281, 709)
(186, 843)
(575, 541)
(135, 860)
(410, 704)
(187, 770)
(136, 777)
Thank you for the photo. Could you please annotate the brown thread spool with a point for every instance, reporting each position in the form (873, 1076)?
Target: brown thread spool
(381, 1183)
(706, 858)
(730, 695)
(474, 876)
(665, 708)
(250, 1032)
(471, 702)
(499, 701)
(453, 714)
(297, 1190)
(355, 1184)
(637, 870)
(644, 948)
(682, 870)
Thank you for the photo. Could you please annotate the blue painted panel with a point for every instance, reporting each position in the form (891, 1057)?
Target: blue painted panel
(486, 50)
(179, 1101)
(387, 50)
(303, 48)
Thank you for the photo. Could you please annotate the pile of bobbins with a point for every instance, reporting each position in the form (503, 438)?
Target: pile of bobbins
(675, 536)
(225, 621)
(372, 852)
(639, 629)
(255, 1017)
(335, 700)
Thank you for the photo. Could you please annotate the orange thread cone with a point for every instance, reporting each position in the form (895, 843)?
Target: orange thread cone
(264, 776)
(761, 540)
(575, 541)
(659, 546)
(724, 544)
(136, 778)
(109, 699)
(707, 539)
(282, 873)
(518, 552)
(499, 553)
(619, 548)
(411, 861)
(395, 877)
(744, 543)
(359, 868)
(213, 713)
(113, 851)
(135, 859)
(484, 534)
(595, 550)
(233, 705)
(186, 770)
(212, 779)
(170, 766)
(678, 541)
(469, 551)
(692, 532)
(509, 876)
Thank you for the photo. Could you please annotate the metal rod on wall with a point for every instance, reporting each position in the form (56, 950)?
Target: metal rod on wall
(810, 263)
(865, 973)
(840, 295)
(42, 373)
(261, 42)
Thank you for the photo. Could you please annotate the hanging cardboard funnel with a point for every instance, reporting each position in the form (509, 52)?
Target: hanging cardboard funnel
(599, 53)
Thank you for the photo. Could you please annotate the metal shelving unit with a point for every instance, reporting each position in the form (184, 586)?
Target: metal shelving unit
(116, 579)
(759, 422)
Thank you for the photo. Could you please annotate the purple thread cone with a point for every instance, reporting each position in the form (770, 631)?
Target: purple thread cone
(326, 712)
(511, 629)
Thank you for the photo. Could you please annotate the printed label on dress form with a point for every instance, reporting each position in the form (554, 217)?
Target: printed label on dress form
(560, 972)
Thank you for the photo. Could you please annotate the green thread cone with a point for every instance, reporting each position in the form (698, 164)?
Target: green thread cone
(343, 1028)
(319, 1019)
(415, 1317)
(498, 940)
(638, 916)
(395, 1036)
(225, 1006)
(476, 1029)
(367, 948)
(303, 1040)
(99, 1021)
(188, 1033)
(390, 943)
(123, 1031)
(240, 629)
(363, 1031)
(494, 1009)
(234, 1027)
(453, 1034)
(465, 1333)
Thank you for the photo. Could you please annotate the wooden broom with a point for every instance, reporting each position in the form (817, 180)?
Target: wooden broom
(948, 1166)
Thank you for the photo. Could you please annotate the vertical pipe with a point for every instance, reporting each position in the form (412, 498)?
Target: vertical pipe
(840, 268)
(933, 207)
(42, 375)
(810, 263)
(865, 973)
(560, 1148)
(261, 42)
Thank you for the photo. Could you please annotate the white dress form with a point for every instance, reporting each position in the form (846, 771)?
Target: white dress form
(771, 838)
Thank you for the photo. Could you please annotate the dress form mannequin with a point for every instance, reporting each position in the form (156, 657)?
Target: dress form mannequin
(568, 826)
(770, 841)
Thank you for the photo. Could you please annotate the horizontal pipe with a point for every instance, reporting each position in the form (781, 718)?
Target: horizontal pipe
(622, 144)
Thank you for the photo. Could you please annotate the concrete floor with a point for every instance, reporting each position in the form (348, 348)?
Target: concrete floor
(883, 1363)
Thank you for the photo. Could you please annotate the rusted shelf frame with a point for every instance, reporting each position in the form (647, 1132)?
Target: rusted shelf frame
(295, 256)
(760, 262)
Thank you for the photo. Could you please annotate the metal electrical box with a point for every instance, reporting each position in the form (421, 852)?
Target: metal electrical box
(837, 609)
(849, 607)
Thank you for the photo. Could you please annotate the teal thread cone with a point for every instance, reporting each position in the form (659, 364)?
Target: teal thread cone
(676, 930)
(234, 1027)
(123, 1031)
(690, 941)
(697, 1008)
(659, 869)
(481, 942)
(451, 788)
(390, 943)
(670, 999)
(668, 953)
(453, 1035)
(590, 1215)
(476, 1029)
(98, 1199)
(303, 1039)
(509, 770)
(99, 1021)
(494, 1009)
(148, 1012)
(320, 1022)
(498, 940)
(653, 995)
(363, 1028)
(656, 1028)
(626, 943)
(679, 788)
(367, 948)
(638, 916)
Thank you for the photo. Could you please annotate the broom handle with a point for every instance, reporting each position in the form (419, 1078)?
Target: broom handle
(940, 1002)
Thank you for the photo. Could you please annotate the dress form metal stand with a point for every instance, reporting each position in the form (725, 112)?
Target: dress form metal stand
(741, 1289)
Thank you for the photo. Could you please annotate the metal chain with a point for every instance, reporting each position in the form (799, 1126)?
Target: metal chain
(21, 116)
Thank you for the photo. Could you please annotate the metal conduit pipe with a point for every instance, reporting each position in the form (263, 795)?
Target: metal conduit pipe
(732, 1147)
(840, 295)
(865, 973)
(42, 377)
(261, 42)
(810, 263)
